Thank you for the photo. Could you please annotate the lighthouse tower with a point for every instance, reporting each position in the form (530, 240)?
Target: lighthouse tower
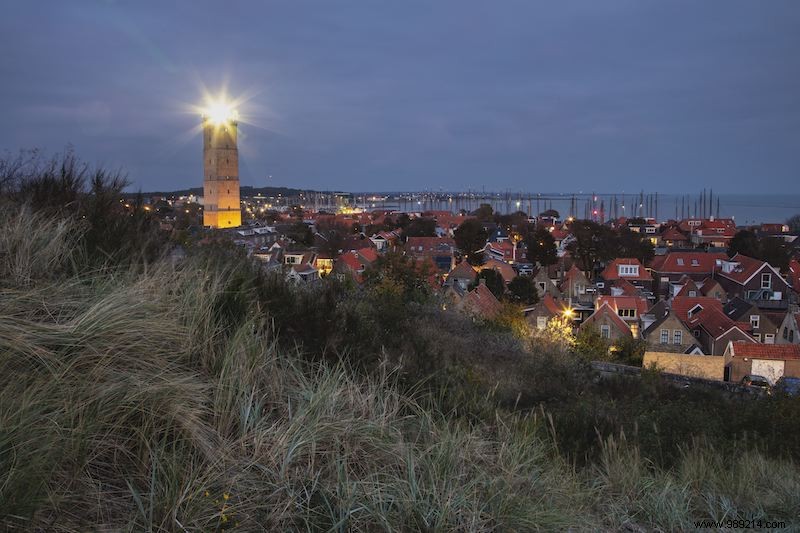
(222, 208)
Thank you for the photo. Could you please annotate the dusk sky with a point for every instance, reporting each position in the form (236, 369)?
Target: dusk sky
(409, 95)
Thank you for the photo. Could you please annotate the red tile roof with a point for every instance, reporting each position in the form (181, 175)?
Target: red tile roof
(628, 289)
(715, 322)
(672, 234)
(481, 301)
(553, 306)
(624, 302)
(747, 267)
(709, 285)
(506, 271)
(766, 351)
(612, 271)
(369, 255)
(794, 274)
(606, 310)
(689, 285)
(571, 273)
(462, 270)
(429, 244)
(687, 262)
(683, 304)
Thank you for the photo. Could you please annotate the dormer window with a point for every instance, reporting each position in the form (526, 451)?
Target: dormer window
(695, 262)
(628, 270)
(692, 294)
(680, 261)
(694, 310)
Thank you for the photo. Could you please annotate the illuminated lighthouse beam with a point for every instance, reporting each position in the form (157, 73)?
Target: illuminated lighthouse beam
(220, 111)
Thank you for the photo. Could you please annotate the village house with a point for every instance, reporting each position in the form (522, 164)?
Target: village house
(789, 330)
(505, 270)
(547, 309)
(629, 308)
(608, 324)
(754, 281)
(673, 266)
(761, 326)
(441, 250)
(574, 286)
(673, 238)
(669, 334)
(480, 302)
(711, 328)
(462, 276)
(768, 360)
(545, 285)
(628, 269)
(302, 273)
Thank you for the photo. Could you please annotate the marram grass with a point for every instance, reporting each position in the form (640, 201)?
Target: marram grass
(128, 404)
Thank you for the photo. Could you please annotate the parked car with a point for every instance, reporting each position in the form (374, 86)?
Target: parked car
(788, 385)
(756, 381)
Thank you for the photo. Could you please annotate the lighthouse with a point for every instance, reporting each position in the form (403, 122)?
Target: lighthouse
(222, 208)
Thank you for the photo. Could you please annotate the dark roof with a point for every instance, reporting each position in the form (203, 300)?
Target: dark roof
(737, 308)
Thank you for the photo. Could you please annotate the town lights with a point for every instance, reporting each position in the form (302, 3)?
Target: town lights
(569, 313)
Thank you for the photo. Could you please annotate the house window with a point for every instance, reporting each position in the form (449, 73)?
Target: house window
(627, 313)
(677, 337)
(692, 294)
(541, 322)
(755, 320)
(769, 338)
(664, 336)
(766, 281)
(785, 332)
(695, 262)
(628, 270)
(791, 335)
(757, 336)
(605, 331)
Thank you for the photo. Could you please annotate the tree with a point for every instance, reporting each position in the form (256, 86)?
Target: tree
(471, 237)
(744, 242)
(775, 252)
(523, 290)
(794, 223)
(593, 243)
(494, 281)
(420, 227)
(590, 345)
(633, 244)
(541, 247)
(484, 213)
